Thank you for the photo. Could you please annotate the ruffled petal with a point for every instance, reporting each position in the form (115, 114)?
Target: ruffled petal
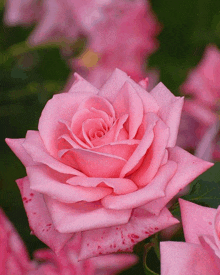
(100, 165)
(154, 156)
(44, 180)
(34, 146)
(152, 191)
(119, 185)
(120, 238)
(70, 218)
(19, 151)
(128, 102)
(188, 168)
(143, 146)
(39, 218)
(170, 110)
(185, 258)
(60, 107)
(115, 82)
(197, 220)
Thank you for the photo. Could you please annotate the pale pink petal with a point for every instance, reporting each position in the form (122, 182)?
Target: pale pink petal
(110, 264)
(80, 85)
(39, 218)
(185, 258)
(208, 243)
(154, 190)
(200, 112)
(217, 227)
(98, 103)
(154, 156)
(119, 185)
(123, 149)
(60, 107)
(170, 110)
(83, 216)
(19, 151)
(128, 102)
(146, 141)
(205, 147)
(45, 181)
(188, 168)
(197, 220)
(95, 164)
(141, 225)
(34, 146)
(115, 82)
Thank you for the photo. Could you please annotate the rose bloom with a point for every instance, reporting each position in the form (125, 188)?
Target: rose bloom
(14, 257)
(200, 254)
(104, 163)
(199, 128)
(66, 263)
(124, 38)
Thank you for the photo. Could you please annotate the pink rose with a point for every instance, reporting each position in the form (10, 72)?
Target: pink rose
(201, 252)
(199, 128)
(66, 263)
(14, 258)
(104, 163)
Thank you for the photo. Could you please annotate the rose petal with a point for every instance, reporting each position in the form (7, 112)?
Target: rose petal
(95, 164)
(188, 168)
(143, 146)
(60, 107)
(120, 186)
(128, 102)
(123, 237)
(197, 220)
(44, 180)
(170, 110)
(152, 191)
(76, 217)
(35, 148)
(39, 218)
(185, 258)
(115, 82)
(154, 156)
(19, 151)
(80, 85)
(98, 103)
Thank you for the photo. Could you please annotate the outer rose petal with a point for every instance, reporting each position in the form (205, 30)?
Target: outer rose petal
(39, 217)
(115, 82)
(197, 220)
(128, 102)
(188, 168)
(170, 110)
(43, 180)
(60, 107)
(34, 146)
(123, 237)
(185, 258)
(152, 191)
(80, 85)
(84, 216)
(19, 151)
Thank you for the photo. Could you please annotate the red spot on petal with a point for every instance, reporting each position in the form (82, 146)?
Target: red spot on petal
(99, 247)
(31, 194)
(87, 244)
(156, 228)
(135, 236)
(114, 245)
(49, 224)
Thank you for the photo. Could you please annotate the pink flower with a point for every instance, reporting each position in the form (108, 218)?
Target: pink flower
(124, 38)
(66, 263)
(199, 127)
(201, 252)
(104, 163)
(14, 258)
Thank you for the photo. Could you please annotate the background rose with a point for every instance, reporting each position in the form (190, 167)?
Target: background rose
(201, 252)
(104, 163)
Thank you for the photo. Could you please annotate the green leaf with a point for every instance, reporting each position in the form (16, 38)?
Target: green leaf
(148, 247)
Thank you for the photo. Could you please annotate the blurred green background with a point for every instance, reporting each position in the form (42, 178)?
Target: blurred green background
(30, 76)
